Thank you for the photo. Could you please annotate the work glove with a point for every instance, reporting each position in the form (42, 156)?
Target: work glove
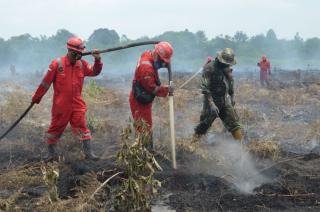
(36, 100)
(96, 54)
(209, 59)
(213, 109)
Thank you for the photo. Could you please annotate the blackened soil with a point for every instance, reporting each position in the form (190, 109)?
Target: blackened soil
(295, 187)
(295, 184)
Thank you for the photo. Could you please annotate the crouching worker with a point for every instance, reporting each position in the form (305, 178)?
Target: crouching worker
(218, 95)
(67, 74)
(146, 85)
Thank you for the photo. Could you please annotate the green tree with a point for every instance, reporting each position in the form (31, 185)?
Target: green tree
(298, 38)
(103, 38)
(271, 35)
(190, 48)
(311, 48)
(240, 37)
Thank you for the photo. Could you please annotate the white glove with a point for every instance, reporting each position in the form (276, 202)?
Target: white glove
(171, 87)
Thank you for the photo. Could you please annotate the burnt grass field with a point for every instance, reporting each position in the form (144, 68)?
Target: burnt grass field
(276, 167)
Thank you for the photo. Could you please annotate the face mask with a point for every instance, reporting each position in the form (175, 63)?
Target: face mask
(222, 65)
(76, 55)
(159, 64)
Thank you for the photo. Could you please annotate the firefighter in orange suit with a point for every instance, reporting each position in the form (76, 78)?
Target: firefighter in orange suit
(67, 74)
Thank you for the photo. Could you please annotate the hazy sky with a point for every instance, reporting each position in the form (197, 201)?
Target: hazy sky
(136, 18)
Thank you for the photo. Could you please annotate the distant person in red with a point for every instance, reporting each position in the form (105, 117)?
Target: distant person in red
(265, 70)
(67, 74)
(146, 85)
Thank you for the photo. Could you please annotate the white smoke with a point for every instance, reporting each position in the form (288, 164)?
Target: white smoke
(233, 163)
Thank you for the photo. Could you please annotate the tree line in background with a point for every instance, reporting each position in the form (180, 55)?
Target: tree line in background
(190, 49)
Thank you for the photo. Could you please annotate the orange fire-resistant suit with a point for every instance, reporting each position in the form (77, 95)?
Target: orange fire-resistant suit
(68, 104)
(265, 69)
(148, 78)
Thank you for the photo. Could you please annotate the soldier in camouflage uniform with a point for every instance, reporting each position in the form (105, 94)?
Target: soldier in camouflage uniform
(217, 87)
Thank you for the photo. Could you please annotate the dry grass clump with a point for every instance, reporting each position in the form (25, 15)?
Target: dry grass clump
(246, 91)
(248, 115)
(15, 103)
(313, 89)
(185, 148)
(20, 177)
(265, 149)
(291, 96)
(87, 193)
(314, 94)
(10, 203)
(96, 95)
(313, 131)
(95, 123)
(14, 181)
(183, 98)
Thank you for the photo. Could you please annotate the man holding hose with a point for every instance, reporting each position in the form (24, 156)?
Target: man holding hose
(67, 74)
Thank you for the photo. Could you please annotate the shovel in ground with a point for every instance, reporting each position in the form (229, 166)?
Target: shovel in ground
(171, 116)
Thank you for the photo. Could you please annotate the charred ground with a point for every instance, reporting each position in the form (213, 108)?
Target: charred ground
(283, 117)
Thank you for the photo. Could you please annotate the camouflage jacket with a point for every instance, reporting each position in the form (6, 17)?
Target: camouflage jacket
(217, 82)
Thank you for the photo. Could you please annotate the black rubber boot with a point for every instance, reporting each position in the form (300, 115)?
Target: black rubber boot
(149, 146)
(52, 154)
(86, 145)
(149, 143)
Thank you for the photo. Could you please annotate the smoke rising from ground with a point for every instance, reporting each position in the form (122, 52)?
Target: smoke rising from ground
(233, 162)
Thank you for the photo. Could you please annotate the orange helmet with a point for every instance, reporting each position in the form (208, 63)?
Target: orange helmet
(76, 44)
(164, 50)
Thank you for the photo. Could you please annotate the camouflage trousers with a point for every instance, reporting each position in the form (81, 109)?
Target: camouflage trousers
(227, 114)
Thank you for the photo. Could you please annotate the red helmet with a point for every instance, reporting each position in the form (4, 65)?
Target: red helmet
(75, 43)
(164, 50)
